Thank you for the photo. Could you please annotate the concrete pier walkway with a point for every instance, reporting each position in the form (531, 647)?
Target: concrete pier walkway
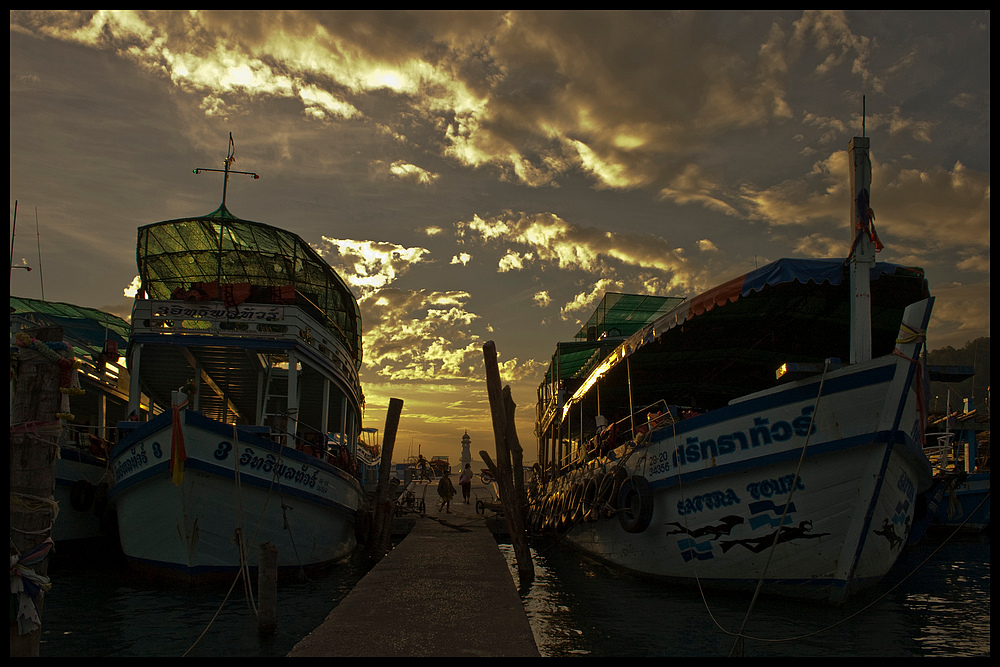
(445, 590)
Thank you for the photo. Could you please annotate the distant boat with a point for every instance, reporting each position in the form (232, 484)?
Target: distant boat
(766, 434)
(251, 344)
(83, 477)
(960, 455)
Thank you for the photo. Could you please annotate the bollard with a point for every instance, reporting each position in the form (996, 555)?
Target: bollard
(267, 584)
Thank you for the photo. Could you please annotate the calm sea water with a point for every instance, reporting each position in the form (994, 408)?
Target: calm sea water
(579, 607)
(576, 608)
(106, 610)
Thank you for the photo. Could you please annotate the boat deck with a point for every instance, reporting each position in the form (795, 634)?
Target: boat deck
(445, 590)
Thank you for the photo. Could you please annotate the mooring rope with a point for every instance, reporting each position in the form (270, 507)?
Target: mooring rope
(788, 502)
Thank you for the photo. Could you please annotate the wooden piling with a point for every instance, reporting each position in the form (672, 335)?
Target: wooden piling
(34, 432)
(267, 585)
(381, 537)
(504, 434)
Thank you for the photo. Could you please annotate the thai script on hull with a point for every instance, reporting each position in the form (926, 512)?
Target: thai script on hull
(136, 460)
(270, 464)
(763, 432)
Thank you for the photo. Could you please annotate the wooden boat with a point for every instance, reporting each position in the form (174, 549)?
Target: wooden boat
(766, 434)
(251, 344)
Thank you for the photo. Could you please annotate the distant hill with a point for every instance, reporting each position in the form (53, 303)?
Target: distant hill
(975, 353)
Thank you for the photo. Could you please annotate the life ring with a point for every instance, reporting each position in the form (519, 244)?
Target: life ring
(81, 495)
(635, 504)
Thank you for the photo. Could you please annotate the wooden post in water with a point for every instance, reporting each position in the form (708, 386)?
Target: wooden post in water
(34, 433)
(381, 537)
(506, 442)
(516, 453)
(267, 584)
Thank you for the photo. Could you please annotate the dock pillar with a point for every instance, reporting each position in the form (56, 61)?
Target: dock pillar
(267, 584)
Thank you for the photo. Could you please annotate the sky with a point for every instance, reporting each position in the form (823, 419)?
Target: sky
(489, 175)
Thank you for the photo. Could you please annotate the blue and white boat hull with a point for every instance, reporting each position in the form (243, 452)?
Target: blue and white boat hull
(237, 491)
(835, 460)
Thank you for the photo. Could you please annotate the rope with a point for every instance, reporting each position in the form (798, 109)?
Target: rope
(881, 597)
(28, 504)
(701, 591)
(781, 523)
(27, 586)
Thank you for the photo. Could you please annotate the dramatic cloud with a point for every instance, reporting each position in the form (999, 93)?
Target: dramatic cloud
(369, 265)
(481, 174)
(549, 243)
(419, 335)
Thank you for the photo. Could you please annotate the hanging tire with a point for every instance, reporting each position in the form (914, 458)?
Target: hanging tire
(606, 495)
(635, 504)
(576, 503)
(81, 495)
(565, 508)
(589, 500)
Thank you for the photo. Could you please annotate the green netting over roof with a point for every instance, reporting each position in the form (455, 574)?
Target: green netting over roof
(572, 359)
(85, 328)
(616, 316)
(221, 247)
(624, 314)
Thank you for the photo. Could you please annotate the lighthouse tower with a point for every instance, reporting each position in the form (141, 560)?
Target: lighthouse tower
(466, 453)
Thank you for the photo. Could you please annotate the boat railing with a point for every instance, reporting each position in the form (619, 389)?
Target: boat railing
(313, 442)
(940, 450)
(948, 451)
(633, 429)
(278, 322)
(92, 441)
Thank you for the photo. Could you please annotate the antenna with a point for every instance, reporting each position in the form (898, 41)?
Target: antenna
(38, 238)
(230, 158)
(13, 231)
(862, 115)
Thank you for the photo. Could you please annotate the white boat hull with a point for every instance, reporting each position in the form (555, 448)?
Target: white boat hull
(238, 491)
(719, 484)
(81, 493)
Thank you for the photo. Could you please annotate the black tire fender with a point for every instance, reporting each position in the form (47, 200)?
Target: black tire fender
(635, 504)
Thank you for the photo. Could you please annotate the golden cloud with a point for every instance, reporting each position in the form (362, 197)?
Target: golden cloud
(534, 95)
(935, 206)
(369, 265)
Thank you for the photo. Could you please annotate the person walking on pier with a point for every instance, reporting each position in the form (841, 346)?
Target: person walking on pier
(465, 481)
(447, 491)
(422, 467)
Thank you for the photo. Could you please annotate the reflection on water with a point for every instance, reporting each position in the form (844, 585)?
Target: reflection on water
(576, 608)
(104, 611)
(579, 607)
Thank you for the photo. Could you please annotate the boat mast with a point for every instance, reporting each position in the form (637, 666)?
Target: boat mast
(863, 248)
(230, 158)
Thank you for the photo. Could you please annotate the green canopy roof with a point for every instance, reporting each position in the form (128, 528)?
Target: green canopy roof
(624, 314)
(618, 315)
(221, 247)
(84, 328)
